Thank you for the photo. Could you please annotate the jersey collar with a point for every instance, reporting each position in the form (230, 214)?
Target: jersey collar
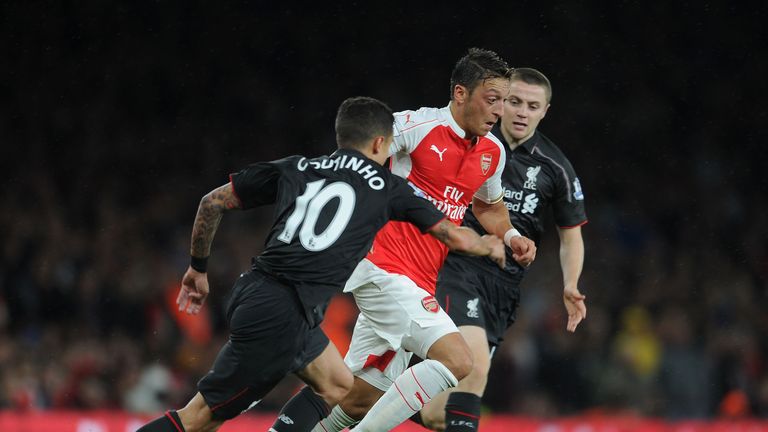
(529, 145)
(452, 122)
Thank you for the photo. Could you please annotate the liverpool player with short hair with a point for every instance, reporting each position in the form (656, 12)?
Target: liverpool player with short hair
(481, 298)
(328, 210)
(448, 155)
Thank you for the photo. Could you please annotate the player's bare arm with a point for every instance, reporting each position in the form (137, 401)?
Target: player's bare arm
(495, 219)
(194, 284)
(209, 213)
(571, 262)
(467, 241)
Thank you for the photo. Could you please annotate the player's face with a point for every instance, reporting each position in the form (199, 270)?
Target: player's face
(524, 108)
(484, 107)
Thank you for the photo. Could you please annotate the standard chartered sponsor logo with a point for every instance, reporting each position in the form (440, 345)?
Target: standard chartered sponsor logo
(530, 203)
(524, 204)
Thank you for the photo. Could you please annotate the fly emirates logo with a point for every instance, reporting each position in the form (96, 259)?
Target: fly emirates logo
(447, 205)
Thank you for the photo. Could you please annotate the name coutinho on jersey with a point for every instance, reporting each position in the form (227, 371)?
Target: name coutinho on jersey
(345, 162)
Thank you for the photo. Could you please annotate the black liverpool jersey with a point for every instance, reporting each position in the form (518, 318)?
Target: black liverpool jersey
(537, 177)
(328, 210)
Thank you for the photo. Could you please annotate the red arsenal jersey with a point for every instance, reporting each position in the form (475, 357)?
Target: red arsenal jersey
(431, 153)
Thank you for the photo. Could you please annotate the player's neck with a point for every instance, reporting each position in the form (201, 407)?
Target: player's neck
(457, 119)
(512, 142)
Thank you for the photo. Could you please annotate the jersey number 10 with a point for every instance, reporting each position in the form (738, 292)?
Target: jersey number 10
(307, 211)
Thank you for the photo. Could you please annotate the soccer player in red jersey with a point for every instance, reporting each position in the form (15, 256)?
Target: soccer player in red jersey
(449, 157)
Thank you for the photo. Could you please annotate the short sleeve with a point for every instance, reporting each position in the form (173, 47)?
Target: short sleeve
(491, 191)
(568, 207)
(407, 206)
(256, 185)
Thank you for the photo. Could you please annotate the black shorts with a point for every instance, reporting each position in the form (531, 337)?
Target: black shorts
(269, 338)
(475, 292)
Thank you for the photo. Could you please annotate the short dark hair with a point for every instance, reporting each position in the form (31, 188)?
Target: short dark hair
(360, 119)
(533, 77)
(477, 66)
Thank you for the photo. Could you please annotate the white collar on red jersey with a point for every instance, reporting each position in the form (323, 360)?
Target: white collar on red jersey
(452, 122)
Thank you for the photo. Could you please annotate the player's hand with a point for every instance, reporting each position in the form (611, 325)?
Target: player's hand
(523, 250)
(498, 250)
(194, 290)
(574, 304)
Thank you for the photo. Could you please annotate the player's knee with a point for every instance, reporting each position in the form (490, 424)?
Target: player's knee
(357, 404)
(460, 363)
(196, 420)
(433, 420)
(338, 390)
(355, 408)
(479, 373)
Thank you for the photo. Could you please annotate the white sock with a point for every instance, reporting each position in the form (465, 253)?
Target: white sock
(336, 421)
(410, 392)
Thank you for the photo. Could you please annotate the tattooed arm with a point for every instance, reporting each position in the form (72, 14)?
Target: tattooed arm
(209, 213)
(467, 241)
(194, 284)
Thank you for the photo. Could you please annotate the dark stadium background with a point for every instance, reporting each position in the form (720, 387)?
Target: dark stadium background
(115, 118)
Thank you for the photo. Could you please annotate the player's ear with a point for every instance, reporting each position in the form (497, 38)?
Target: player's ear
(460, 93)
(378, 145)
(546, 108)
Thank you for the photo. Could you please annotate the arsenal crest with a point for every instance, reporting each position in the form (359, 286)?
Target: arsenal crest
(430, 304)
(485, 162)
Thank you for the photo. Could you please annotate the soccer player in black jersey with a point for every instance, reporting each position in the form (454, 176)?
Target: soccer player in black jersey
(481, 298)
(328, 210)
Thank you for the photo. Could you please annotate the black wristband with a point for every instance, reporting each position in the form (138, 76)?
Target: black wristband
(199, 264)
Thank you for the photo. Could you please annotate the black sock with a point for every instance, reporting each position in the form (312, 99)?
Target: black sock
(416, 418)
(302, 412)
(462, 412)
(170, 422)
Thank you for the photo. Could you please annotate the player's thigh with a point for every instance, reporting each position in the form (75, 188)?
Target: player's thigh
(267, 332)
(373, 358)
(459, 291)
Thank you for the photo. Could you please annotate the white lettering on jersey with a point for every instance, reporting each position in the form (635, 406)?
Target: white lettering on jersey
(452, 193)
(355, 164)
(438, 151)
(453, 211)
(529, 204)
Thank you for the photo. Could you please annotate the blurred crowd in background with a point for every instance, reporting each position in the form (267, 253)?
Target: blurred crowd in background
(113, 124)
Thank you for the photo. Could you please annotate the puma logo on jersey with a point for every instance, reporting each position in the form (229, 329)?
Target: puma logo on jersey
(418, 396)
(438, 151)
